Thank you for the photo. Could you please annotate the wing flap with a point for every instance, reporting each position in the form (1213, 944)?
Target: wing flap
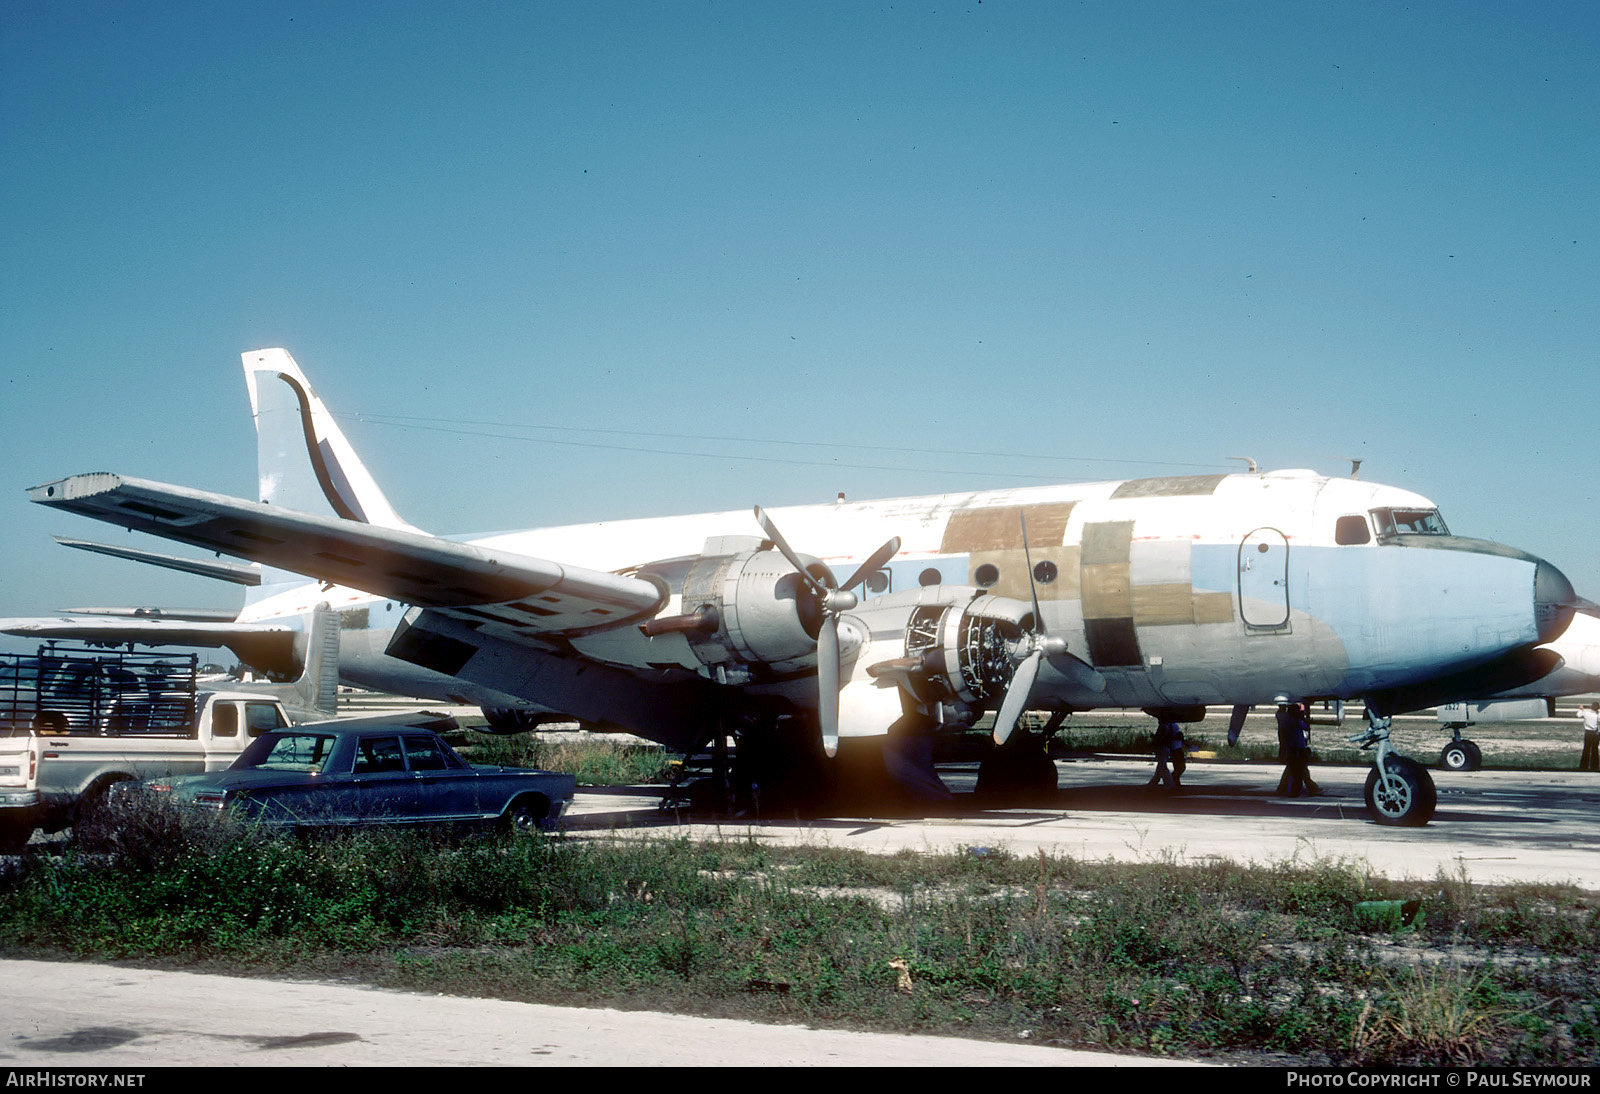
(535, 595)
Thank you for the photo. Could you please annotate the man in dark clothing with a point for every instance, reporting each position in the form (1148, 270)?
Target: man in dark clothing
(1294, 736)
(1168, 741)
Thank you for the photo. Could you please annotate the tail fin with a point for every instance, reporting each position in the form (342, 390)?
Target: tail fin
(303, 459)
(315, 694)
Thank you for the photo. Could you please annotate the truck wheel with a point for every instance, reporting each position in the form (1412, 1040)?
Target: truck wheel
(14, 835)
(1408, 801)
(525, 816)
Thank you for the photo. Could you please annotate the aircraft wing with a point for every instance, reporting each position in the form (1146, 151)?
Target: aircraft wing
(534, 596)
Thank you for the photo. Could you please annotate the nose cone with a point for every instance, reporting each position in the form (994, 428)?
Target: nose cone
(1554, 601)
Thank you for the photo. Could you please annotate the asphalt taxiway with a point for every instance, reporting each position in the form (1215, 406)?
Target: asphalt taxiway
(1492, 827)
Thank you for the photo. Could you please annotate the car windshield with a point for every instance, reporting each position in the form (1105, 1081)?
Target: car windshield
(1409, 522)
(307, 752)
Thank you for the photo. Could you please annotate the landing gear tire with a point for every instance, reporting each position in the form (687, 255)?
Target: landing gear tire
(1007, 776)
(1462, 755)
(1409, 799)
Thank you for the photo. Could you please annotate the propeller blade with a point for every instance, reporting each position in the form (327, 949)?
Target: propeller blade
(1586, 606)
(828, 683)
(1017, 695)
(1236, 721)
(1080, 672)
(788, 552)
(1033, 589)
(875, 563)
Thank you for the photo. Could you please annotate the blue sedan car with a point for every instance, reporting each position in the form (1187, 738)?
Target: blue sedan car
(388, 770)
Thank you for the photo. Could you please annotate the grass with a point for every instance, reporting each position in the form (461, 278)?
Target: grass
(1218, 959)
(595, 761)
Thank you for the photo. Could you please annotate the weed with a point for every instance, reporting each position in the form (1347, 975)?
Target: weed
(1150, 957)
(1432, 1016)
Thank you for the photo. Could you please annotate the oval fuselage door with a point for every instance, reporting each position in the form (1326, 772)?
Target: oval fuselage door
(1264, 578)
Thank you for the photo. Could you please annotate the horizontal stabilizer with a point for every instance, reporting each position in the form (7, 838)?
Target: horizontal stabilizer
(235, 572)
(267, 646)
(186, 615)
(534, 595)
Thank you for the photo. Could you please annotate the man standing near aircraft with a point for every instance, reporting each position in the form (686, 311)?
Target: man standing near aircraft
(1590, 760)
(1294, 731)
(1168, 743)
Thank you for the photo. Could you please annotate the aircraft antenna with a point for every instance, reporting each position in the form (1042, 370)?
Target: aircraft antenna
(1255, 468)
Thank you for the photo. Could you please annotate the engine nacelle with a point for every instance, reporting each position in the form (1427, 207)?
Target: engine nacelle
(752, 609)
(944, 643)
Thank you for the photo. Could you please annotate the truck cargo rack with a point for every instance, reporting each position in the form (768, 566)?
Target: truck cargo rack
(63, 689)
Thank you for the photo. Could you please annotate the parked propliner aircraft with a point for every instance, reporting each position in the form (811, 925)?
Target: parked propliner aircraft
(1162, 593)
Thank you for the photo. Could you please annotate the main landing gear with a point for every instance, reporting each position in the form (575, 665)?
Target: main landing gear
(1021, 770)
(1460, 754)
(1399, 791)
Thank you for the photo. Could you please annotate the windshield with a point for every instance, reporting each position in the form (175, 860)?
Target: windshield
(306, 752)
(1409, 522)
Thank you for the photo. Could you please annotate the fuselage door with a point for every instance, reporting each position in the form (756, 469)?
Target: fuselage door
(1264, 578)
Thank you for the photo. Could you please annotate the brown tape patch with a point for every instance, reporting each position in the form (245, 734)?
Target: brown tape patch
(1000, 528)
(1106, 591)
(1107, 541)
(1013, 567)
(1213, 607)
(1163, 605)
(1171, 486)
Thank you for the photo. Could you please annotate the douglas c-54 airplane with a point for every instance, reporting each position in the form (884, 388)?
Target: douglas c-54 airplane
(1163, 593)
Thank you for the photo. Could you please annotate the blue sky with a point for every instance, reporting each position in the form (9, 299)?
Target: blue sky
(887, 248)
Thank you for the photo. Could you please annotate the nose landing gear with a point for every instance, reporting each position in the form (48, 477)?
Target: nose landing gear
(1399, 791)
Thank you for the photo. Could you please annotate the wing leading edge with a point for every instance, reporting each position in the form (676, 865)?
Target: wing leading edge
(534, 596)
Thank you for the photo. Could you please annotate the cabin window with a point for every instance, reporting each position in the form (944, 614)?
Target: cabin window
(1409, 522)
(986, 575)
(376, 755)
(425, 754)
(1045, 572)
(878, 582)
(1352, 530)
(224, 720)
(930, 576)
(262, 718)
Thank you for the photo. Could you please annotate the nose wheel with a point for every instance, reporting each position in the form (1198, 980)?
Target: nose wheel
(1399, 790)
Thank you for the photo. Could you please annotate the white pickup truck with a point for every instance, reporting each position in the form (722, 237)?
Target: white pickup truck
(48, 778)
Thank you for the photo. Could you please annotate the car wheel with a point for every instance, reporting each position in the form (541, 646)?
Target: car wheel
(1407, 800)
(524, 816)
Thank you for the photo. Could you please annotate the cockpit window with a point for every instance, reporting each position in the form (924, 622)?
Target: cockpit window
(1409, 522)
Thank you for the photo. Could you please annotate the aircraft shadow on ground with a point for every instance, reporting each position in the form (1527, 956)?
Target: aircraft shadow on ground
(1038, 809)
